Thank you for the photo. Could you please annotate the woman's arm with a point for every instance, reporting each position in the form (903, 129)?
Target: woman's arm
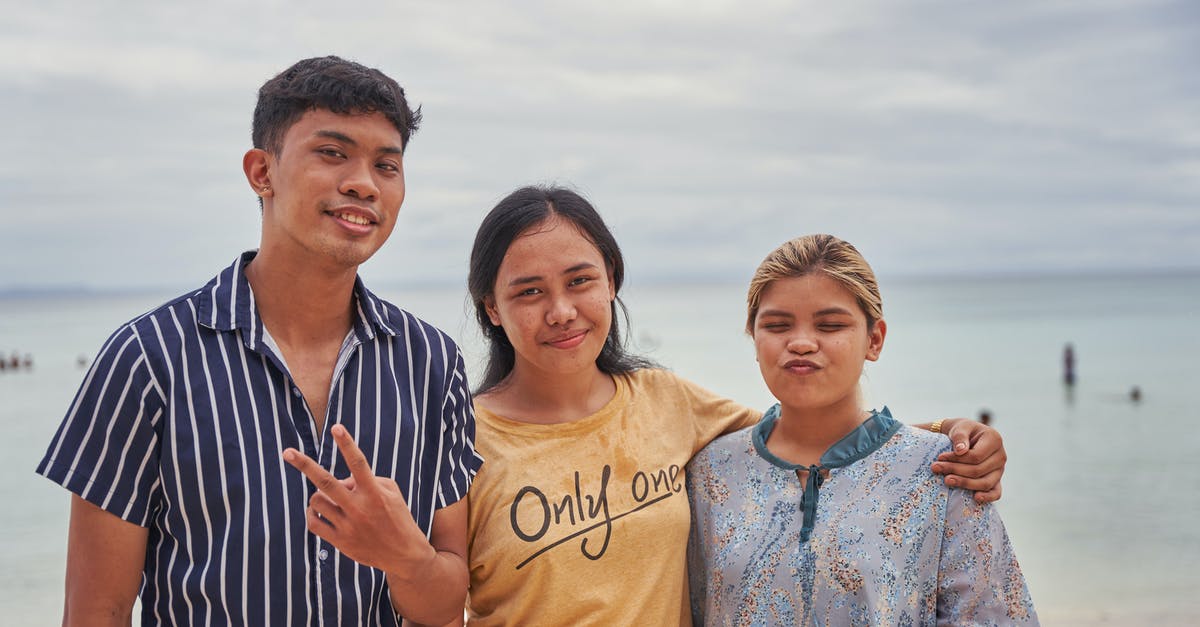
(976, 459)
(979, 580)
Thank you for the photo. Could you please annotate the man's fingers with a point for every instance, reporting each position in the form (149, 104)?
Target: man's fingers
(319, 527)
(320, 477)
(326, 507)
(360, 468)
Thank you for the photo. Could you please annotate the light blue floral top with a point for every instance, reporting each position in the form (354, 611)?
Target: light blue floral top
(872, 537)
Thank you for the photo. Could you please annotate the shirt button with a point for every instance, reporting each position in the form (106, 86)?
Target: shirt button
(324, 555)
(296, 392)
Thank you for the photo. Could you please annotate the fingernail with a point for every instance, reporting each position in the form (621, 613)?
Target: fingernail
(951, 481)
(960, 447)
(937, 468)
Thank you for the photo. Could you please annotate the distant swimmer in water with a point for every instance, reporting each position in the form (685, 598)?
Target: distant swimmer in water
(985, 416)
(1135, 394)
(1069, 364)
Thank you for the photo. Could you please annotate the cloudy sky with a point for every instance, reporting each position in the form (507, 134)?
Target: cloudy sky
(951, 137)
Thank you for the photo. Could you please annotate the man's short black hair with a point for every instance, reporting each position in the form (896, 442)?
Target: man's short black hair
(331, 83)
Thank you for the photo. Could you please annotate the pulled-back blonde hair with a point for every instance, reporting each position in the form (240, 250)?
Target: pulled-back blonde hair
(805, 255)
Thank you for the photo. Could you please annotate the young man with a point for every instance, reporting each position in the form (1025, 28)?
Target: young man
(178, 443)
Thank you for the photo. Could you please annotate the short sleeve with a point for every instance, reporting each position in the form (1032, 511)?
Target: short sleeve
(979, 580)
(461, 461)
(107, 448)
(712, 415)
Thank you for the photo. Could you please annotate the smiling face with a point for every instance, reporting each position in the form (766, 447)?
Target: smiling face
(811, 338)
(553, 297)
(333, 192)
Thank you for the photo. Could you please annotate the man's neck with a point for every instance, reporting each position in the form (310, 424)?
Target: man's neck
(301, 305)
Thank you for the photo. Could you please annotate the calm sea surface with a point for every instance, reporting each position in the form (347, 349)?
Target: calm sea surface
(1101, 495)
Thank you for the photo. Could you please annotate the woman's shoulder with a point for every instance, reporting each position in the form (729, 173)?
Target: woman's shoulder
(910, 437)
(655, 383)
(725, 449)
(912, 447)
(917, 437)
(663, 384)
(652, 378)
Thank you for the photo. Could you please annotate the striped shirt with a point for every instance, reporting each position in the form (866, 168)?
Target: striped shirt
(179, 427)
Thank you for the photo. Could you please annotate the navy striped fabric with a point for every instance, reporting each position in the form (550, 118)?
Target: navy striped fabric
(179, 427)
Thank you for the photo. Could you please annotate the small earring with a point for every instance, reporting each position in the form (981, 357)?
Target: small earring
(266, 188)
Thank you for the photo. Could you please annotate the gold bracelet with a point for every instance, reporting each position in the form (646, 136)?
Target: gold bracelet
(936, 427)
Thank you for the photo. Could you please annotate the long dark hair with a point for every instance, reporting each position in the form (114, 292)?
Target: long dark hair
(516, 213)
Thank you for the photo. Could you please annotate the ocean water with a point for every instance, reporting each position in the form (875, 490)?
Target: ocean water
(1101, 493)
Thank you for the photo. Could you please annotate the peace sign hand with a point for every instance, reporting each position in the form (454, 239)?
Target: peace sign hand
(364, 516)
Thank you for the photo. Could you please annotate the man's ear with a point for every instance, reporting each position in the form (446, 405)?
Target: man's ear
(257, 165)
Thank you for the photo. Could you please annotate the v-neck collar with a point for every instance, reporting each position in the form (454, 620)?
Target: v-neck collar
(865, 439)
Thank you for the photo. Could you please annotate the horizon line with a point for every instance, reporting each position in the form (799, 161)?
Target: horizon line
(654, 279)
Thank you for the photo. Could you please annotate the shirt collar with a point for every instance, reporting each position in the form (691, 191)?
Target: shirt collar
(862, 441)
(227, 303)
(865, 439)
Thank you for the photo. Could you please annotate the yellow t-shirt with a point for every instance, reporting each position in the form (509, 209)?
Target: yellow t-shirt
(587, 522)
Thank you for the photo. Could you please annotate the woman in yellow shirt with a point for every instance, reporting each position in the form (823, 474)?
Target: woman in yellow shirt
(579, 515)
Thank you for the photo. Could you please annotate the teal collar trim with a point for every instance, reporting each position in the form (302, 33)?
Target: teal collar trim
(865, 439)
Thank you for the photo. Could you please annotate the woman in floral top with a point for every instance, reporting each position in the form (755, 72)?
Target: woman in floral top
(826, 513)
